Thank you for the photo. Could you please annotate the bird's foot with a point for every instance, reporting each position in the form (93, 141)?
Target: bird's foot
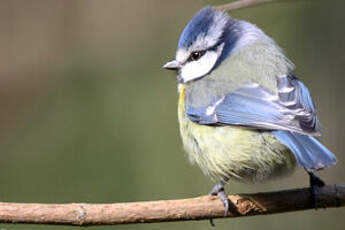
(218, 190)
(315, 184)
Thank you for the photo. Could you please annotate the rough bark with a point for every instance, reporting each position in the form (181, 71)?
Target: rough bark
(199, 208)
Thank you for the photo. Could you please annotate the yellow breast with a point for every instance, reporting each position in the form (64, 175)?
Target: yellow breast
(232, 151)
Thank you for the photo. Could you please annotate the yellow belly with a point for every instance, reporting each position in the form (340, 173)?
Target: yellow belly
(233, 151)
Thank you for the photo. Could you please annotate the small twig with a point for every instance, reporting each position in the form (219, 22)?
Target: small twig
(199, 208)
(244, 4)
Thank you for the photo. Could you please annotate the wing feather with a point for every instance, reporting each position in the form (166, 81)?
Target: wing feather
(254, 106)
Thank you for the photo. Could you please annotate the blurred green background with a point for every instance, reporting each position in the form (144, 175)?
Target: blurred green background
(88, 114)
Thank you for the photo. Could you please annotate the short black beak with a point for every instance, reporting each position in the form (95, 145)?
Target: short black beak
(172, 65)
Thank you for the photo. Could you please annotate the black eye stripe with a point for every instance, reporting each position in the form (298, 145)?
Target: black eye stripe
(196, 55)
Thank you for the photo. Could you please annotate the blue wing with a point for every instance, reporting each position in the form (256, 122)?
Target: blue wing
(290, 115)
(254, 106)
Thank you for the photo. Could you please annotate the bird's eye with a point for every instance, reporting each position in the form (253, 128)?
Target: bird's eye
(194, 56)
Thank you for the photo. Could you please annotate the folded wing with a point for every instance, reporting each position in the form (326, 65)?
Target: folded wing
(254, 106)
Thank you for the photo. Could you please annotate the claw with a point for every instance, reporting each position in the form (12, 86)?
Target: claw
(212, 223)
(315, 183)
(218, 190)
(224, 198)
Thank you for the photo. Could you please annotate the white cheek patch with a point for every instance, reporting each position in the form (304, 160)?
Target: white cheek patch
(199, 68)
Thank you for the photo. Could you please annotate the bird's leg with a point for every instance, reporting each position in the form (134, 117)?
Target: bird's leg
(315, 183)
(218, 190)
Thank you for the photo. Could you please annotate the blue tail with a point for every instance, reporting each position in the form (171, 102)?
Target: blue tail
(309, 152)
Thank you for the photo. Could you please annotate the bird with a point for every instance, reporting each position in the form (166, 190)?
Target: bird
(243, 114)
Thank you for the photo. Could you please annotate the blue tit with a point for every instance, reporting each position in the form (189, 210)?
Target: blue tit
(242, 112)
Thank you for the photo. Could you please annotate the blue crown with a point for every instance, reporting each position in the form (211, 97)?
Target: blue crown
(200, 24)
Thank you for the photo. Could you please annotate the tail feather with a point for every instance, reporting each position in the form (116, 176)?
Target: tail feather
(309, 152)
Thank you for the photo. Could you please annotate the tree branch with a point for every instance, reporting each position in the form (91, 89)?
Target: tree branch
(200, 208)
(245, 4)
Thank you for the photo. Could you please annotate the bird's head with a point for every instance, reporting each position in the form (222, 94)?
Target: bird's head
(205, 42)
